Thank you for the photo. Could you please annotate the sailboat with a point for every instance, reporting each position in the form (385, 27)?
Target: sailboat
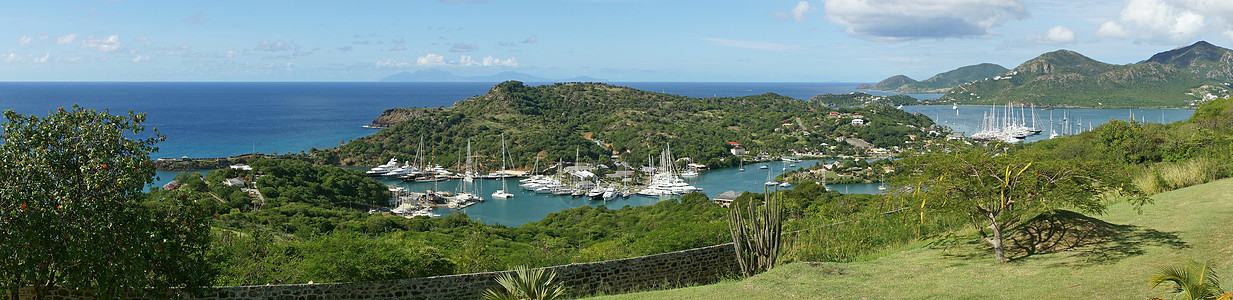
(769, 180)
(466, 190)
(502, 193)
(742, 169)
(882, 185)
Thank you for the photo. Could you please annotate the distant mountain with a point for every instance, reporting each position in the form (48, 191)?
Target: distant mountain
(889, 84)
(1202, 59)
(1180, 77)
(433, 75)
(939, 83)
(509, 75)
(424, 76)
(943, 82)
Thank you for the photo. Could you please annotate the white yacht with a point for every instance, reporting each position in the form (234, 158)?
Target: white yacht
(384, 168)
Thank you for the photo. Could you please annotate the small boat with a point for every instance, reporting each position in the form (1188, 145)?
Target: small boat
(763, 167)
(954, 106)
(690, 173)
(772, 182)
(501, 194)
(785, 184)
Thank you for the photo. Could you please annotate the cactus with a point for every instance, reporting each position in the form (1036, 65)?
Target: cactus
(756, 233)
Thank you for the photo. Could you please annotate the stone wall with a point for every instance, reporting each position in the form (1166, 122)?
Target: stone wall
(689, 267)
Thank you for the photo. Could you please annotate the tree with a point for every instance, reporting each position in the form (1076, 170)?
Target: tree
(999, 188)
(72, 211)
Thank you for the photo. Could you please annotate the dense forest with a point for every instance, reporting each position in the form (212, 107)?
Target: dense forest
(597, 121)
(862, 99)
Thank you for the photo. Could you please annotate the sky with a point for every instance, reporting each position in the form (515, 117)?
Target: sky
(613, 40)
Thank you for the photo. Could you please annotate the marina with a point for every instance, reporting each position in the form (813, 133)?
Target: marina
(530, 206)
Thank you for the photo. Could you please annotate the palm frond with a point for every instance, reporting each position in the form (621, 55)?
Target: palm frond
(526, 283)
(1195, 280)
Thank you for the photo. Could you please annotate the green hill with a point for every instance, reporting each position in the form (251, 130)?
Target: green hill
(945, 81)
(1187, 223)
(862, 99)
(889, 84)
(1181, 77)
(600, 120)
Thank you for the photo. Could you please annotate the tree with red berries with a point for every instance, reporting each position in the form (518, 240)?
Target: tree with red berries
(73, 214)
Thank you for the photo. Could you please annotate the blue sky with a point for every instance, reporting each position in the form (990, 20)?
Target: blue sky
(631, 40)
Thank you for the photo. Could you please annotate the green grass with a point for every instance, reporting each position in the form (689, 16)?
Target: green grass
(1194, 222)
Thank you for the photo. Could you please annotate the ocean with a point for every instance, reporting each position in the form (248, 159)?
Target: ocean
(219, 119)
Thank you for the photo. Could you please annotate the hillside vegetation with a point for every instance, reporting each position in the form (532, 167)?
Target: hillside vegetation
(1195, 222)
(597, 120)
(1181, 77)
(939, 83)
(1108, 254)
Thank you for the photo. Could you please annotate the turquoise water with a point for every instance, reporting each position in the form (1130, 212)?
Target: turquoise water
(527, 206)
(969, 117)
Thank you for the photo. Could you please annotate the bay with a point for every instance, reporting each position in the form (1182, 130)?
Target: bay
(968, 118)
(527, 206)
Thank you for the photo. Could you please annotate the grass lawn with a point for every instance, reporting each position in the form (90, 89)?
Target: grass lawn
(1195, 222)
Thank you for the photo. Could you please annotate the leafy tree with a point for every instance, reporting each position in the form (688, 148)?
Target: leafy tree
(999, 188)
(72, 213)
(348, 257)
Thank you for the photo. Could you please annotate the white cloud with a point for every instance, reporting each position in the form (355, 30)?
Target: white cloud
(495, 62)
(1057, 35)
(463, 47)
(530, 40)
(922, 19)
(430, 60)
(24, 40)
(1111, 29)
(1169, 21)
(463, 61)
(141, 38)
(231, 53)
(141, 58)
(42, 59)
(769, 46)
(799, 11)
(195, 19)
(276, 46)
(12, 57)
(392, 63)
(109, 44)
(67, 39)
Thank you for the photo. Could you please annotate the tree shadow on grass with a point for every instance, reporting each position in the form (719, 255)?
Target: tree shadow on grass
(1081, 240)
(1091, 241)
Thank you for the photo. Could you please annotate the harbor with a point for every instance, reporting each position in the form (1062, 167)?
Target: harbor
(529, 206)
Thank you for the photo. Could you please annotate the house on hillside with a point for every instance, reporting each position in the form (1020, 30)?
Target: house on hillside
(738, 150)
(726, 198)
(858, 122)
